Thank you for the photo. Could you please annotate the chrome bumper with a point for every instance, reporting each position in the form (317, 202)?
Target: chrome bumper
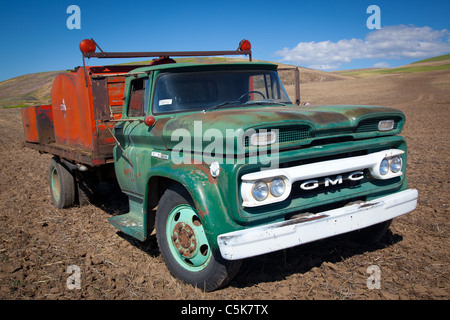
(281, 235)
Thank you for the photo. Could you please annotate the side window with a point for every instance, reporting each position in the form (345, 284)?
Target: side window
(138, 98)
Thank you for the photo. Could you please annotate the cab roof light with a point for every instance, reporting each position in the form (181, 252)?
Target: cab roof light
(245, 45)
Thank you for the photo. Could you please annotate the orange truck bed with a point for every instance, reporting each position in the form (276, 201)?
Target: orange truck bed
(73, 126)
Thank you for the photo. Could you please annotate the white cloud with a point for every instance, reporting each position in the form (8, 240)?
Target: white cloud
(392, 42)
(382, 64)
(323, 67)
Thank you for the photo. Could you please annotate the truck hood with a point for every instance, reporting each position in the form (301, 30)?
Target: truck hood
(208, 126)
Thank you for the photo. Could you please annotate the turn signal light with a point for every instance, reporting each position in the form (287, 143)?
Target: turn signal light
(149, 121)
(386, 125)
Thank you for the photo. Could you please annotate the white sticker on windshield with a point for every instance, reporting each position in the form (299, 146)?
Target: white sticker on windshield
(165, 102)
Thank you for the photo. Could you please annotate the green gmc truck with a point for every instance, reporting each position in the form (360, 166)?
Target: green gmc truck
(217, 159)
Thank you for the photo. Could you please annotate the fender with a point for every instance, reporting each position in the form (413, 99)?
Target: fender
(204, 190)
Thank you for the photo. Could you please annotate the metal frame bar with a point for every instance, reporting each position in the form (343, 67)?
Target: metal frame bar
(110, 55)
(102, 55)
(79, 156)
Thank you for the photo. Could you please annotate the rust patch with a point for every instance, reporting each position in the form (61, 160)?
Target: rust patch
(302, 220)
(183, 238)
(128, 172)
(367, 205)
(203, 213)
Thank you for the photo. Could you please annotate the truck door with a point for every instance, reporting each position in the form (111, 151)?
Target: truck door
(132, 158)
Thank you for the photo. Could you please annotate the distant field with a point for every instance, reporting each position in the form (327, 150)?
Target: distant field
(408, 69)
(439, 58)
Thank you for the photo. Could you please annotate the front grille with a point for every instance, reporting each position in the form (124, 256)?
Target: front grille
(297, 133)
(294, 133)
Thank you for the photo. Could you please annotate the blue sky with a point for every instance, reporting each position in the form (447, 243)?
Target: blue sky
(327, 35)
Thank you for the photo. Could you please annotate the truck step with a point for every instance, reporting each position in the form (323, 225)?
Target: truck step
(130, 224)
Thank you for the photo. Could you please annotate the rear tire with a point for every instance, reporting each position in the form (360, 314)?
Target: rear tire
(62, 184)
(183, 244)
(86, 185)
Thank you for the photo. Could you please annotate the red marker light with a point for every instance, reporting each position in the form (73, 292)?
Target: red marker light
(87, 46)
(245, 45)
(149, 121)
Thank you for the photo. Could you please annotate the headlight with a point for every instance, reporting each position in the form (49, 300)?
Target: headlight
(260, 190)
(384, 167)
(396, 164)
(277, 187)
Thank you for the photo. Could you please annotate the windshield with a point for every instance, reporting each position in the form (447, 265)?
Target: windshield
(209, 90)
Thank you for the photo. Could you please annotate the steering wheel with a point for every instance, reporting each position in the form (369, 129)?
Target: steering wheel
(249, 92)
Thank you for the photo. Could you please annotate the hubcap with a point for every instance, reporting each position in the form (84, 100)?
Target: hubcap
(187, 239)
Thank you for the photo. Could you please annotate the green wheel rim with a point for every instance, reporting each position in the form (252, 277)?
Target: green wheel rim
(187, 239)
(56, 186)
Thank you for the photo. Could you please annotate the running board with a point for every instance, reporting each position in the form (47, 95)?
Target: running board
(133, 223)
(129, 224)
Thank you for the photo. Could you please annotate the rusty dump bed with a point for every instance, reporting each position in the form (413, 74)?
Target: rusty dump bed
(73, 126)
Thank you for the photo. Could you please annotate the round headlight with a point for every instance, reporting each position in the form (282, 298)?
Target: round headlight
(396, 164)
(277, 187)
(384, 167)
(260, 190)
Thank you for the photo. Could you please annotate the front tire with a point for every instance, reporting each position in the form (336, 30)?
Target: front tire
(184, 246)
(371, 234)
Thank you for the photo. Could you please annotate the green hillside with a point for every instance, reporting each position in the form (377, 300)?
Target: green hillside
(30, 89)
(438, 58)
(408, 69)
(431, 64)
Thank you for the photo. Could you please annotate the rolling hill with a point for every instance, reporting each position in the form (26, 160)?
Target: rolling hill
(431, 64)
(35, 88)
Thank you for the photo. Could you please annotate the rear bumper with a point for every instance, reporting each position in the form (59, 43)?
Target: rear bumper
(281, 235)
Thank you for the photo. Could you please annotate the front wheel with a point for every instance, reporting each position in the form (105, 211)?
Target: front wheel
(184, 245)
(371, 234)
